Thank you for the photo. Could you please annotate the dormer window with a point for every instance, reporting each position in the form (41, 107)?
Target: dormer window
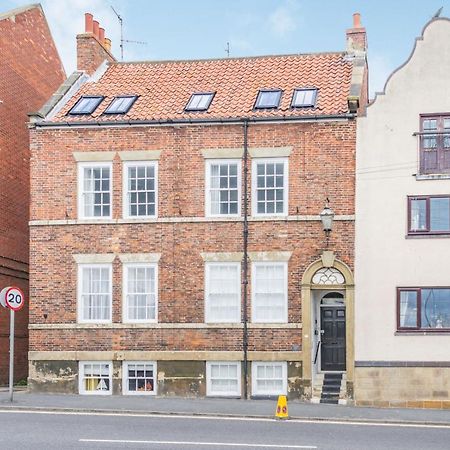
(268, 98)
(199, 101)
(86, 105)
(304, 98)
(121, 105)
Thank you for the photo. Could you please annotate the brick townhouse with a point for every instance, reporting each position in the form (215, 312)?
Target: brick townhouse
(30, 71)
(177, 246)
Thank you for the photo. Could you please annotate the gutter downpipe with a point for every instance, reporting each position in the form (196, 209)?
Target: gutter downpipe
(245, 261)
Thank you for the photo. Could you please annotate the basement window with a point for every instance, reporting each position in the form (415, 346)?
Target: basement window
(268, 98)
(121, 105)
(139, 378)
(269, 378)
(86, 105)
(95, 378)
(200, 101)
(223, 378)
(304, 98)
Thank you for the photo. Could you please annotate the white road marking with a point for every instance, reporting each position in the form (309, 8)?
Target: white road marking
(153, 415)
(222, 444)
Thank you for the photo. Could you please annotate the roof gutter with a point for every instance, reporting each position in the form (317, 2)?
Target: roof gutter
(171, 122)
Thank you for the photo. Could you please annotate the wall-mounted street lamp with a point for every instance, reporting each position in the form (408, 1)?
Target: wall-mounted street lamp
(327, 217)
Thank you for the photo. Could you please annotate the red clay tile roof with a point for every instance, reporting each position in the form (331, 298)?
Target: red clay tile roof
(164, 88)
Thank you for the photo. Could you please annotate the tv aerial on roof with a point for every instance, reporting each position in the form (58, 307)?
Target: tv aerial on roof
(122, 40)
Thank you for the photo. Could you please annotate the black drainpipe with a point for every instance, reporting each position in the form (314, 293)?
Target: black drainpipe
(245, 262)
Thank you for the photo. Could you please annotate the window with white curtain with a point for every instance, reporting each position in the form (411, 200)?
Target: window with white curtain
(223, 378)
(94, 196)
(269, 378)
(95, 292)
(222, 292)
(269, 292)
(140, 292)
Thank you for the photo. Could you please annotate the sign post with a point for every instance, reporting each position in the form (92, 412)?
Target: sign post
(11, 297)
(11, 354)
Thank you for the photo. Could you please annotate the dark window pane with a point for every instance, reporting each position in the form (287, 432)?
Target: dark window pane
(261, 181)
(233, 208)
(233, 169)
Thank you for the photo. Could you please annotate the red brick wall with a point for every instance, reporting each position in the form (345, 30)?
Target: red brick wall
(90, 53)
(321, 165)
(30, 71)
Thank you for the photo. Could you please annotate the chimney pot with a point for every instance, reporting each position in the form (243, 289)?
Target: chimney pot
(101, 35)
(357, 20)
(107, 44)
(96, 27)
(88, 25)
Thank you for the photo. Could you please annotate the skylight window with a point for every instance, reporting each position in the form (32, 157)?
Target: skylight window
(268, 99)
(86, 105)
(304, 98)
(121, 105)
(200, 101)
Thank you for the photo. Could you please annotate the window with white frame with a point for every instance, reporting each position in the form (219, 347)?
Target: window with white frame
(223, 378)
(269, 378)
(270, 186)
(95, 192)
(140, 189)
(140, 292)
(223, 187)
(95, 377)
(139, 378)
(222, 292)
(95, 292)
(269, 292)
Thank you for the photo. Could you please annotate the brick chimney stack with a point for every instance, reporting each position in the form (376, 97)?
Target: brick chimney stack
(92, 46)
(356, 36)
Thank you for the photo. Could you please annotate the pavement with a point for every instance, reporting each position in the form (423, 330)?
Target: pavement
(218, 407)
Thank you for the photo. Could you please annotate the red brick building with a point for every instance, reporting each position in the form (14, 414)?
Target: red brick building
(30, 71)
(176, 242)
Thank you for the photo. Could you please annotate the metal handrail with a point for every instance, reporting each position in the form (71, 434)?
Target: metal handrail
(317, 351)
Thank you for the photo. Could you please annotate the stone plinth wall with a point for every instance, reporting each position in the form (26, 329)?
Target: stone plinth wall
(411, 387)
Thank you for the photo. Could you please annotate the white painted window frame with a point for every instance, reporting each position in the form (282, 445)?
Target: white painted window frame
(125, 267)
(255, 162)
(80, 191)
(81, 388)
(208, 265)
(80, 291)
(209, 390)
(208, 164)
(125, 193)
(255, 364)
(256, 264)
(126, 391)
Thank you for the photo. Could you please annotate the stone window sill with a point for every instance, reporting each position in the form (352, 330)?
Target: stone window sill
(423, 177)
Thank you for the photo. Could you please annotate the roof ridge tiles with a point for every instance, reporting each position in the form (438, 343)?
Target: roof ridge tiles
(236, 58)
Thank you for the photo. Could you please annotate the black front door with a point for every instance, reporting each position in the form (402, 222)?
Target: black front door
(332, 319)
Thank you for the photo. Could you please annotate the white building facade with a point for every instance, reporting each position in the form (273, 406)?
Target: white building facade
(402, 265)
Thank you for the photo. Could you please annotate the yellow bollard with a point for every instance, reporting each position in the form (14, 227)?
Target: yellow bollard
(282, 409)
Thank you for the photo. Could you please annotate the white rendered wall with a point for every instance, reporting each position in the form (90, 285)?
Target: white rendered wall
(387, 160)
